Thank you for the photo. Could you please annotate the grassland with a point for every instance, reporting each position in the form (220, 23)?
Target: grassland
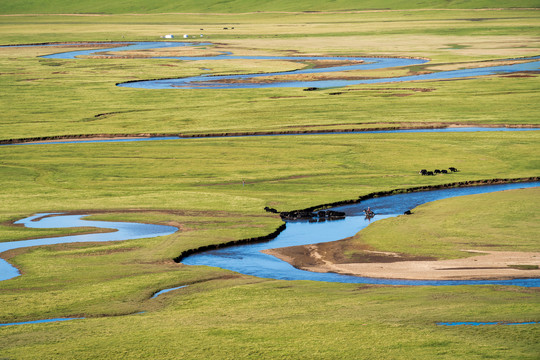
(241, 6)
(500, 228)
(196, 184)
(69, 97)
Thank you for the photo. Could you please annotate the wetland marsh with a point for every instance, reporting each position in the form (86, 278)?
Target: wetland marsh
(214, 189)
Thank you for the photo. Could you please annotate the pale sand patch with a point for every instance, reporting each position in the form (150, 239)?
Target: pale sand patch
(488, 265)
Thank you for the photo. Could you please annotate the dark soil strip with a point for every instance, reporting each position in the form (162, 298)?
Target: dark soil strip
(268, 237)
(420, 188)
(239, 134)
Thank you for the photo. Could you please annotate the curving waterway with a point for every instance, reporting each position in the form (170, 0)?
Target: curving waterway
(167, 138)
(248, 259)
(209, 81)
(120, 231)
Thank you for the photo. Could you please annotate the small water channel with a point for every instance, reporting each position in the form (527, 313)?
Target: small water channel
(167, 138)
(121, 231)
(209, 81)
(475, 323)
(40, 321)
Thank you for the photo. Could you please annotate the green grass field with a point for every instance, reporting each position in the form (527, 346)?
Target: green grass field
(240, 6)
(196, 184)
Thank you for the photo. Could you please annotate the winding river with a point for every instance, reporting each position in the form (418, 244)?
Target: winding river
(248, 259)
(209, 81)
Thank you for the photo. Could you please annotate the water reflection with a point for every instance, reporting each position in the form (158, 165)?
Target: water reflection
(248, 259)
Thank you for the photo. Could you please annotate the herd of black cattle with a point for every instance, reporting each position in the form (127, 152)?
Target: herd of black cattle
(425, 172)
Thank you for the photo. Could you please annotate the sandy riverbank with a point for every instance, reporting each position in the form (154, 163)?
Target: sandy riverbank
(485, 265)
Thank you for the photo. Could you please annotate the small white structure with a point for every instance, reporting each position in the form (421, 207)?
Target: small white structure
(186, 36)
(169, 36)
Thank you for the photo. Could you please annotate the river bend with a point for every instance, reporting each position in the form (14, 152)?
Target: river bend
(209, 81)
(248, 259)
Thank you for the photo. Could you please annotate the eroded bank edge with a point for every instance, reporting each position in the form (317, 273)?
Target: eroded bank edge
(282, 227)
(103, 136)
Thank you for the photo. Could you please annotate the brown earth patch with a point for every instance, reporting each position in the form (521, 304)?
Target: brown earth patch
(328, 257)
(285, 97)
(394, 89)
(337, 252)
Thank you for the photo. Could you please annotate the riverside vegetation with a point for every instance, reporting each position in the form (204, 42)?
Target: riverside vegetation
(196, 184)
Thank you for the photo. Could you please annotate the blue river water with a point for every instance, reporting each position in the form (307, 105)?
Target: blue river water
(162, 138)
(40, 321)
(474, 323)
(121, 231)
(166, 291)
(249, 260)
(209, 81)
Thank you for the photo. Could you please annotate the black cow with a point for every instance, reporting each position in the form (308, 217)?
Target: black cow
(423, 172)
(453, 169)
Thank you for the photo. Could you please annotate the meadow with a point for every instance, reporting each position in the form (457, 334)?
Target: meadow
(197, 184)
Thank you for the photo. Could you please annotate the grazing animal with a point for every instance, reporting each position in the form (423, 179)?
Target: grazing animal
(452, 169)
(430, 173)
(444, 171)
(423, 172)
(437, 171)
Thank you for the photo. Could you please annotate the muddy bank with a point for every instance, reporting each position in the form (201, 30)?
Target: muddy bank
(102, 136)
(327, 257)
(264, 238)
(319, 255)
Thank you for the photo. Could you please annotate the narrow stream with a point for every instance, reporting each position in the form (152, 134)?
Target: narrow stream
(121, 231)
(362, 132)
